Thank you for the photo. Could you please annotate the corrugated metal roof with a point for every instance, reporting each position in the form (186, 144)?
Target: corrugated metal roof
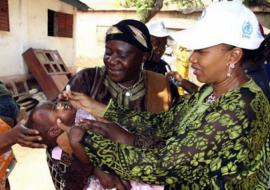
(78, 4)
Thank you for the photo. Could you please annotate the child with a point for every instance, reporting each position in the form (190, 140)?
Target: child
(43, 118)
(76, 173)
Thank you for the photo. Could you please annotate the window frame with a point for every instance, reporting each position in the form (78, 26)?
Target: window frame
(4, 16)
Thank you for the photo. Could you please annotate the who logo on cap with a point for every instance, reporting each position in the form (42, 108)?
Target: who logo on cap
(227, 22)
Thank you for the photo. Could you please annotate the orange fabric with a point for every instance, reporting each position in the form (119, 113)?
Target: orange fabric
(6, 158)
(158, 92)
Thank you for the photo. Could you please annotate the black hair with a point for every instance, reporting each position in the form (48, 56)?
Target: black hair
(31, 121)
(39, 125)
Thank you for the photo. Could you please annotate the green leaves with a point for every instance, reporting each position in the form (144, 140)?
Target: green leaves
(146, 9)
(186, 3)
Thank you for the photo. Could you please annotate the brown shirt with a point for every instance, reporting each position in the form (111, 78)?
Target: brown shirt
(94, 83)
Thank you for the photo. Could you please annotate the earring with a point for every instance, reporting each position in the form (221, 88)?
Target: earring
(231, 67)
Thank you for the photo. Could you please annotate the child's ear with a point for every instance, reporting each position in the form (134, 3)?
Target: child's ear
(54, 131)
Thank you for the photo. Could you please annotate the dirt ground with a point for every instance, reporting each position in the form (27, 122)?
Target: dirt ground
(31, 171)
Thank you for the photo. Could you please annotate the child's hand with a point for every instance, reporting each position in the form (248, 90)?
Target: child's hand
(62, 126)
(77, 175)
(76, 135)
(109, 181)
(63, 142)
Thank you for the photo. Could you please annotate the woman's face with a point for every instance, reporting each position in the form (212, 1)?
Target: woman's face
(210, 64)
(123, 61)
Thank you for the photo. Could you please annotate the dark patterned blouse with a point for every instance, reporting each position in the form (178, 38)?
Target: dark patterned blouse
(219, 145)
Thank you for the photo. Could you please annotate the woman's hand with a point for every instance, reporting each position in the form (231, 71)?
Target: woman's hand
(80, 100)
(22, 136)
(109, 130)
(26, 137)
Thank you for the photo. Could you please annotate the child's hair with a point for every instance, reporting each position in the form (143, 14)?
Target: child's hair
(31, 120)
(38, 119)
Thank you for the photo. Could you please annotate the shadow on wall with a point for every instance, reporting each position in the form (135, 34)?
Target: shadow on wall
(84, 62)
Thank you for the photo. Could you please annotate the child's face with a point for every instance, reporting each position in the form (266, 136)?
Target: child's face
(45, 120)
(65, 111)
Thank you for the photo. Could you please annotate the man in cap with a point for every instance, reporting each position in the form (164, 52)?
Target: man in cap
(159, 36)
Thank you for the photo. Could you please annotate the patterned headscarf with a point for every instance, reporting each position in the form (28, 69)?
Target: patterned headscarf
(131, 31)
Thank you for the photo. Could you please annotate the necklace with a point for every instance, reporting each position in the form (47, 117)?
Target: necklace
(211, 99)
(128, 90)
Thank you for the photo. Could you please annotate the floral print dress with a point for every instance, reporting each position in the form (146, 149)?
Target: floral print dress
(219, 145)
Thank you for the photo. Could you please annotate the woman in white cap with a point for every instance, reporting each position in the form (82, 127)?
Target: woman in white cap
(216, 139)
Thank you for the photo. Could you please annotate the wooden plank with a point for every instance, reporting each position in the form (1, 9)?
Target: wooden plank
(42, 64)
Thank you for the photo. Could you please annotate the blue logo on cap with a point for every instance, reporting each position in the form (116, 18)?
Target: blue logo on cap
(247, 29)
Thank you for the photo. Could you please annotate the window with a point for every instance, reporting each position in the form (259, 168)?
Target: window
(4, 18)
(60, 24)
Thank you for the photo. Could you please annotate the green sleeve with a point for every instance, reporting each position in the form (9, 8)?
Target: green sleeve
(181, 160)
(148, 124)
(224, 146)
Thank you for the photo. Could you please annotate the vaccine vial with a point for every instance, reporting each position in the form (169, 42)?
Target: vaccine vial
(68, 88)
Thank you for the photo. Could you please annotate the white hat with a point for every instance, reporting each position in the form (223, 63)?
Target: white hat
(228, 22)
(157, 29)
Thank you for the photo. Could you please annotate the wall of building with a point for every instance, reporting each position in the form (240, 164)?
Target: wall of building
(92, 26)
(90, 35)
(28, 28)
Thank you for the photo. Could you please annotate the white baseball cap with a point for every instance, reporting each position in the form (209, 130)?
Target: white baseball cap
(157, 28)
(228, 22)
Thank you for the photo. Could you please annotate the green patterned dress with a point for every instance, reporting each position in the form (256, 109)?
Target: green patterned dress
(222, 145)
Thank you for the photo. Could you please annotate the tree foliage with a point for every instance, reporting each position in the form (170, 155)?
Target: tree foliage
(185, 3)
(146, 9)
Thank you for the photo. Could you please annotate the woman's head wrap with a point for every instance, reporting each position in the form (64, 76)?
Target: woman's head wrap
(131, 31)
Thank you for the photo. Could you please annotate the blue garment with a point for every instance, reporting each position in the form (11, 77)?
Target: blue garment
(162, 67)
(9, 107)
(267, 70)
(259, 74)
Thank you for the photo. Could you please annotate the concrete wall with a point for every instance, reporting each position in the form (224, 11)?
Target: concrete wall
(90, 35)
(28, 28)
(92, 26)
